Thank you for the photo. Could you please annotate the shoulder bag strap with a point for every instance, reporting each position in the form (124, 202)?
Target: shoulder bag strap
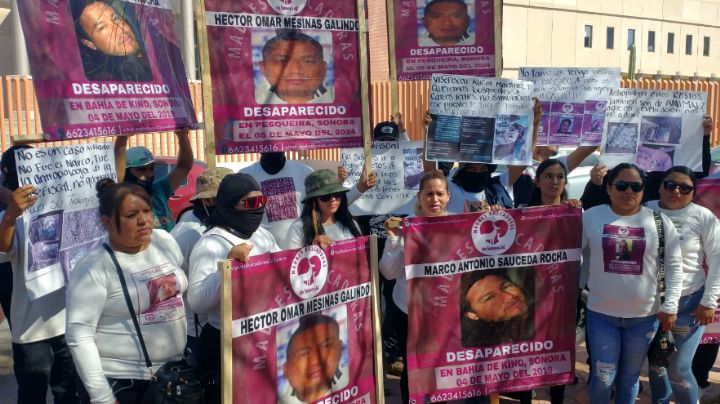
(133, 316)
(661, 252)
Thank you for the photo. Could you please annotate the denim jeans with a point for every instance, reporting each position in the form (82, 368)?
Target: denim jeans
(678, 379)
(619, 346)
(42, 363)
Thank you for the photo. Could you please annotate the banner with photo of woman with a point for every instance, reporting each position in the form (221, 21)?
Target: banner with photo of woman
(106, 67)
(446, 36)
(301, 326)
(499, 291)
(707, 194)
(480, 120)
(573, 102)
(654, 129)
(285, 74)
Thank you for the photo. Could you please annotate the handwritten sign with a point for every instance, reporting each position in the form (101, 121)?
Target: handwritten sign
(573, 102)
(399, 169)
(63, 225)
(654, 129)
(484, 120)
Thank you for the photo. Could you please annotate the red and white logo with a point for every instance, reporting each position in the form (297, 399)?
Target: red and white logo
(287, 7)
(493, 232)
(308, 272)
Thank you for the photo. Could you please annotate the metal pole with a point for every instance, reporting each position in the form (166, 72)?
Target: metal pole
(22, 65)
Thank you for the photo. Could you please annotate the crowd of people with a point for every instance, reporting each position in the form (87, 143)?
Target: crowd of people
(639, 231)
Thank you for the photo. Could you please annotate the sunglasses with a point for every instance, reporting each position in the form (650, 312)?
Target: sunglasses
(254, 202)
(326, 198)
(671, 186)
(622, 186)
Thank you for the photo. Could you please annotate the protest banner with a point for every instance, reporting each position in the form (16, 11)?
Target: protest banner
(304, 63)
(461, 37)
(399, 168)
(524, 337)
(126, 78)
(281, 307)
(482, 120)
(654, 129)
(573, 102)
(707, 194)
(63, 225)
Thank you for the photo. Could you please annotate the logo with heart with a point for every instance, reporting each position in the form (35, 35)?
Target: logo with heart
(567, 108)
(493, 232)
(288, 7)
(308, 272)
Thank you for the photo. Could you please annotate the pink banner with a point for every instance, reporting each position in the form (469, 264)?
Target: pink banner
(302, 326)
(106, 67)
(498, 290)
(285, 74)
(707, 194)
(454, 37)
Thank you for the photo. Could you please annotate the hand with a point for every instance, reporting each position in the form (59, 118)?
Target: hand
(398, 119)
(427, 118)
(492, 208)
(667, 321)
(393, 226)
(707, 124)
(322, 240)
(182, 133)
(240, 252)
(703, 315)
(22, 198)
(537, 111)
(598, 173)
(342, 173)
(367, 181)
(575, 203)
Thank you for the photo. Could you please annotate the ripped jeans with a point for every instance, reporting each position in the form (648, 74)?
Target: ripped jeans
(619, 347)
(678, 379)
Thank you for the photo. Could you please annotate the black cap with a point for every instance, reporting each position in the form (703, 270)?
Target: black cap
(386, 131)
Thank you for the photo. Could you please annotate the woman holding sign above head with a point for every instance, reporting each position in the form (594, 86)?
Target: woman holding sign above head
(699, 241)
(624, 305)
(432, 200)
(325, 216)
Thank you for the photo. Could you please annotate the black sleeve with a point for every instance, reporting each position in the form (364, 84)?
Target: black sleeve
(706, 158)
(594, 195)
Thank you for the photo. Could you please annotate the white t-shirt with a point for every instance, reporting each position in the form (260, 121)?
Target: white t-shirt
(100, 332)
(622, 254)
(285, 192)
(213, 247)
(392, 266)
(335, 231)
(699, 232)
(32, 320)
(186, 233)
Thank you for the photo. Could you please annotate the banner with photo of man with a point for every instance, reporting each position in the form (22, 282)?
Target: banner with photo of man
(707, 194)
(480, 120)
(654, 129)
(573, 102)
(302, 326)
(498, 290)
(106, 67)
(63, 225)
(445, 36)
(285, 75)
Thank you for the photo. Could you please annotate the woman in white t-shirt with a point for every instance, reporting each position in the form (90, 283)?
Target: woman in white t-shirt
(620, 245)
(325, 216)
(100, 332)
(699, 241)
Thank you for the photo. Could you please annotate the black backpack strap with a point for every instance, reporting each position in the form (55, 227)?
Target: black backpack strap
(659, 225)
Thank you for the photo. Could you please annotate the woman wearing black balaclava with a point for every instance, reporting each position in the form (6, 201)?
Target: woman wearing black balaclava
(473, 187)
(234, 233)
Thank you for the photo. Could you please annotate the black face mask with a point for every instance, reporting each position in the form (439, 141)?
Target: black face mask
(132, 179)
(201, 211)
(472, 182)
(242, 223)
(272, 163)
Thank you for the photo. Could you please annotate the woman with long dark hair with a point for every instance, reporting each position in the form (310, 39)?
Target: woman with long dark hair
(325, 216)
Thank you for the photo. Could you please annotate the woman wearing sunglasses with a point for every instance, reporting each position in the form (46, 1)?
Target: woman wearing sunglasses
(325, 216)
(620, 246)
(234, 233)
(699, 240)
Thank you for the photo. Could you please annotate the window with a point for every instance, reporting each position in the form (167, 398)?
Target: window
(671, 43)
(706, 46)
(610, 38)
(688, 44)
(651, 41)
(588, 36)
(631, 38)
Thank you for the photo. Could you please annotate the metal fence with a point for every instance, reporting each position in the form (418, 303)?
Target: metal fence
(19, 115)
